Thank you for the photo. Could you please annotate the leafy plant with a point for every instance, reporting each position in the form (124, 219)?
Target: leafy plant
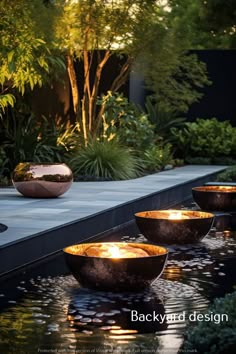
(27, 59)
(124, 122)
(224, 160)
(96, 41)
(104, 159)
(210, 337)
(157, 157)
(205, 137)
(198, 160)
(3, 159)
(178, 162)
(175, 76)
(227, 176)
(5, 101)
(25, 139)
(4, 181)
(161, 119)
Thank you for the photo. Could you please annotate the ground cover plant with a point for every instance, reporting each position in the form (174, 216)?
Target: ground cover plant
(210, 337)
(205, 140)
(227, 176)
(104, 160)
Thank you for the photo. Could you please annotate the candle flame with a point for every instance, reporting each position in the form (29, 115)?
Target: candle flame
(114, 251)
(226, 188)
(175, 215)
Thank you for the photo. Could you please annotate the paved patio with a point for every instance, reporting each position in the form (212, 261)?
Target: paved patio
(28, 218)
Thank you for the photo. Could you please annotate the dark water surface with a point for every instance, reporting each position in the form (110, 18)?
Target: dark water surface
(45, 310)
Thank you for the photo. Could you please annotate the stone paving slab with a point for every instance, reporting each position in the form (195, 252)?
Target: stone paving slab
(78, 209)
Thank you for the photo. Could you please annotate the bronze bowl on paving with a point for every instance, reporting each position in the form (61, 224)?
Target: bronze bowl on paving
(215, 198)
(174, 226)
(99, 266)
(42, 180)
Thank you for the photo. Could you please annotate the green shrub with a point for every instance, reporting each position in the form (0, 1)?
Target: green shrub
(198, 160)
(157, 157)
(124, 122)
(219, 160)
(223, 160)
(205, 137)
(163, 121)
(106, 160)
(3, 161)
(210, 337)
(178, 162)
(25, 139)
(4, 181)
(227, 176)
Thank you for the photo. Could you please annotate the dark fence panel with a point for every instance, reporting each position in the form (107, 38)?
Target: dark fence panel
(219, 99)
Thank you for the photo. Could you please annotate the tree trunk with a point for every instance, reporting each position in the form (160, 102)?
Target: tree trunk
(101, 63)
(116, 84)
(73, 83)
(86, 110)
(78, 107)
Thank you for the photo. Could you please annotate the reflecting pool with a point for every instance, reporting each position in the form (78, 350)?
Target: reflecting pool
(44, 309)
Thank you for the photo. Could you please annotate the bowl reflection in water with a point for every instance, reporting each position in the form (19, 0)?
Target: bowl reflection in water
(111, 312)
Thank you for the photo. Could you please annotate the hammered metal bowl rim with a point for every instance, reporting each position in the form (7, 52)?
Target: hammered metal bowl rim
(194, 213)
(215, 189)
(165, 250)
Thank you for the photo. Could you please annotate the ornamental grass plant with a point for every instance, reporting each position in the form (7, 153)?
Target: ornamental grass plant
(104, 160)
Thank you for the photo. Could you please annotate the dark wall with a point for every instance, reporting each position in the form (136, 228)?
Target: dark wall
(219, 99)
(53, 101)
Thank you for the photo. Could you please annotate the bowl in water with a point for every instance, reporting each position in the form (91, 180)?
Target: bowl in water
(132, 270)
(174, 226)
(218, 198)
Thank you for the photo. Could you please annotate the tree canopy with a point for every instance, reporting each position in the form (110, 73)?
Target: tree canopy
(208, 24)
(26, 58)
(155, 35)
(173, 74)
(220, 19)
(93, 32)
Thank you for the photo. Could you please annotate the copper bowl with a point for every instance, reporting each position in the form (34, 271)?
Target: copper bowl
(42, 180)
(158, 227)
(116, 274)
(221, 198)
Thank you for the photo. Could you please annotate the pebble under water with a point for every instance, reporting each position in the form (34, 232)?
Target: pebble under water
(52, 314)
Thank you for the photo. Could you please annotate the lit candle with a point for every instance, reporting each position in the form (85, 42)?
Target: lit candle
(226, 188)
(177, 215)
(115, 251)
